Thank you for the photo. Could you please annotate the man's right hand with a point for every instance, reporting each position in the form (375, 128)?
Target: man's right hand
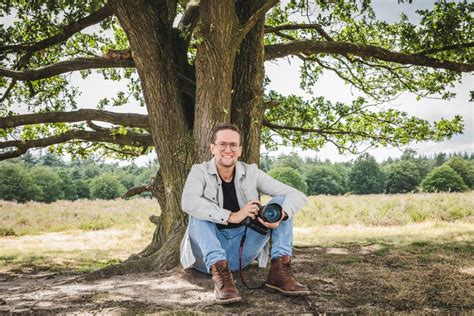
(249, 210)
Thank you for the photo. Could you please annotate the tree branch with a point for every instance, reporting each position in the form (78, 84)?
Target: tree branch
(124, 119)
(64, 67)
(189, 20)
(324, 132)
(9, 89)
(115, 59)
(66, 32)
(130, 139)
(283, 35)
(96, 127)
(445, 48)
(321, 131)
(259, 14)
(138, 190)
(285, 27)
(364, 51)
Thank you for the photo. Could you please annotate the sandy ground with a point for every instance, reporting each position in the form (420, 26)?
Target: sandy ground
(353, 279)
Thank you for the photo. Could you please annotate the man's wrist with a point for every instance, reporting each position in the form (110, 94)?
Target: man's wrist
(231, 218)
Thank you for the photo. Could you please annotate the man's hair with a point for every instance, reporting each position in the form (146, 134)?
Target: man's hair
(224, 126)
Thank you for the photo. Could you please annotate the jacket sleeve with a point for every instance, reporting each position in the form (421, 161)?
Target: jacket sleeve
(196, 204)
(294, 199)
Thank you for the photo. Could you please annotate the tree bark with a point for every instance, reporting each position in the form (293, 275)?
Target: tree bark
(148, 26)
(217, 31)
(248, 76)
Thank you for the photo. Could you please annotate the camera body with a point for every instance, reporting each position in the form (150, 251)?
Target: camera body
(270, 213)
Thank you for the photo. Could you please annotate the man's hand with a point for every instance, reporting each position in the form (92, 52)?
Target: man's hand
(272, 225)
(249, 210)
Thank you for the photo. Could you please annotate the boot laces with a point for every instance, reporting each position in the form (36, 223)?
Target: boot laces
(224, 275)
(287, 270)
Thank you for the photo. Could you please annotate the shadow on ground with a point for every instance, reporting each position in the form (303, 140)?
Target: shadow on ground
(421, 277)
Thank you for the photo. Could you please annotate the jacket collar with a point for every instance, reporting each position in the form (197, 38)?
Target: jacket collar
(212, 169)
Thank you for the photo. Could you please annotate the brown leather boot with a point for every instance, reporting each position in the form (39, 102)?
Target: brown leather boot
(280, 278)
(224, 286)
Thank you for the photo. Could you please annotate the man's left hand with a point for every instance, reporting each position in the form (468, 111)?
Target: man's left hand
(272, 225)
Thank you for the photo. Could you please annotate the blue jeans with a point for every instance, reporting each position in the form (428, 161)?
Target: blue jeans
(210, 244)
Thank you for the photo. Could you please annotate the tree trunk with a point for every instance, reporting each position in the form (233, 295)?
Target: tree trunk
(216, 35)
(149, 30)
(155, 52)
(247, 97)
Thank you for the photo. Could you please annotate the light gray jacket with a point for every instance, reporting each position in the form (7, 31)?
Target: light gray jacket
(203, 198)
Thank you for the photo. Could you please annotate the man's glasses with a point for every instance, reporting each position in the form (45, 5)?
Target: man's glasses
(222, 146)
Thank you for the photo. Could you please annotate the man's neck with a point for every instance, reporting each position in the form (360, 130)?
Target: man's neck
(226, 173)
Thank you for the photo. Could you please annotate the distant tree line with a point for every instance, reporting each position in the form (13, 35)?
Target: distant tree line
(47, 178)
(409, 173)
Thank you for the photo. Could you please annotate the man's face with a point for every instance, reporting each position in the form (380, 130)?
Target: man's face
(229, 139)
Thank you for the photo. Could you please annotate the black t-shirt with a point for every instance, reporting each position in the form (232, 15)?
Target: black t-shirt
(231, 202)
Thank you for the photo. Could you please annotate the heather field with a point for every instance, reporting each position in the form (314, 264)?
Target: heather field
(373, 253)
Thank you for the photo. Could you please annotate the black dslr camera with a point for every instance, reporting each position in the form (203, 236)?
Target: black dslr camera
(270, 213)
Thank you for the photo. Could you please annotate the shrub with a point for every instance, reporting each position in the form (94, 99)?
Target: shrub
(463, 168)
(292, 160)
(290, 177)
(82, 189)
(365, 176)
(443, 178)
(401, 177)
(324, 179)
(50, 183)
(69, 185)
(16, 185)
(106, 187)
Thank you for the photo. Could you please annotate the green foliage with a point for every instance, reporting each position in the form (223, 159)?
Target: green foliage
(82, 189)
(324, 179)
(314, 123)
(127, 179)
(401, 177)
(265, 163)
(440, 159)
(346, 125)
(365, 176)
(463, 168)
(106, 187)
(292, 160)
(289, 176)
(50, 183)
(443, 179)
(69, 185)
(16, 184)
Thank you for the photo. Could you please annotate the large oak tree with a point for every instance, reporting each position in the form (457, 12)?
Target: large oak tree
(196, 63)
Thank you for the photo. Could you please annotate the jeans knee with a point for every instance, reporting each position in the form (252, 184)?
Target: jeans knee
(277, 199)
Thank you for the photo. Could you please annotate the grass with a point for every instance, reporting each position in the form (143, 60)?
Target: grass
(35, 218)
(386, 210)
(87, 235)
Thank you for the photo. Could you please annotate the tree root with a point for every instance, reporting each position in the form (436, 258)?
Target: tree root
(165, 258)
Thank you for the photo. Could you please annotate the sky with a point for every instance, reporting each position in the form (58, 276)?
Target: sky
(284, 77)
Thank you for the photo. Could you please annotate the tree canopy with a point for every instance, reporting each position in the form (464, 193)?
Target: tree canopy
(443, 179)
(365, 176)
(46, 41)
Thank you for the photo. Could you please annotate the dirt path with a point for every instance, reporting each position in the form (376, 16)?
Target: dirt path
(351, 279)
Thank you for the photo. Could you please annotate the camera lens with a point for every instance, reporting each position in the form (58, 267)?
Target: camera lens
(271, 213)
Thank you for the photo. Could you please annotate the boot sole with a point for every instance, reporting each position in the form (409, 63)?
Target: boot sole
(228, 301)
(288, 293)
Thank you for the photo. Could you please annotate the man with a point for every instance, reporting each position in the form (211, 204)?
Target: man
(219, 195)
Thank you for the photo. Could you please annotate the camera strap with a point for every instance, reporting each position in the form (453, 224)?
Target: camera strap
(242, 242)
